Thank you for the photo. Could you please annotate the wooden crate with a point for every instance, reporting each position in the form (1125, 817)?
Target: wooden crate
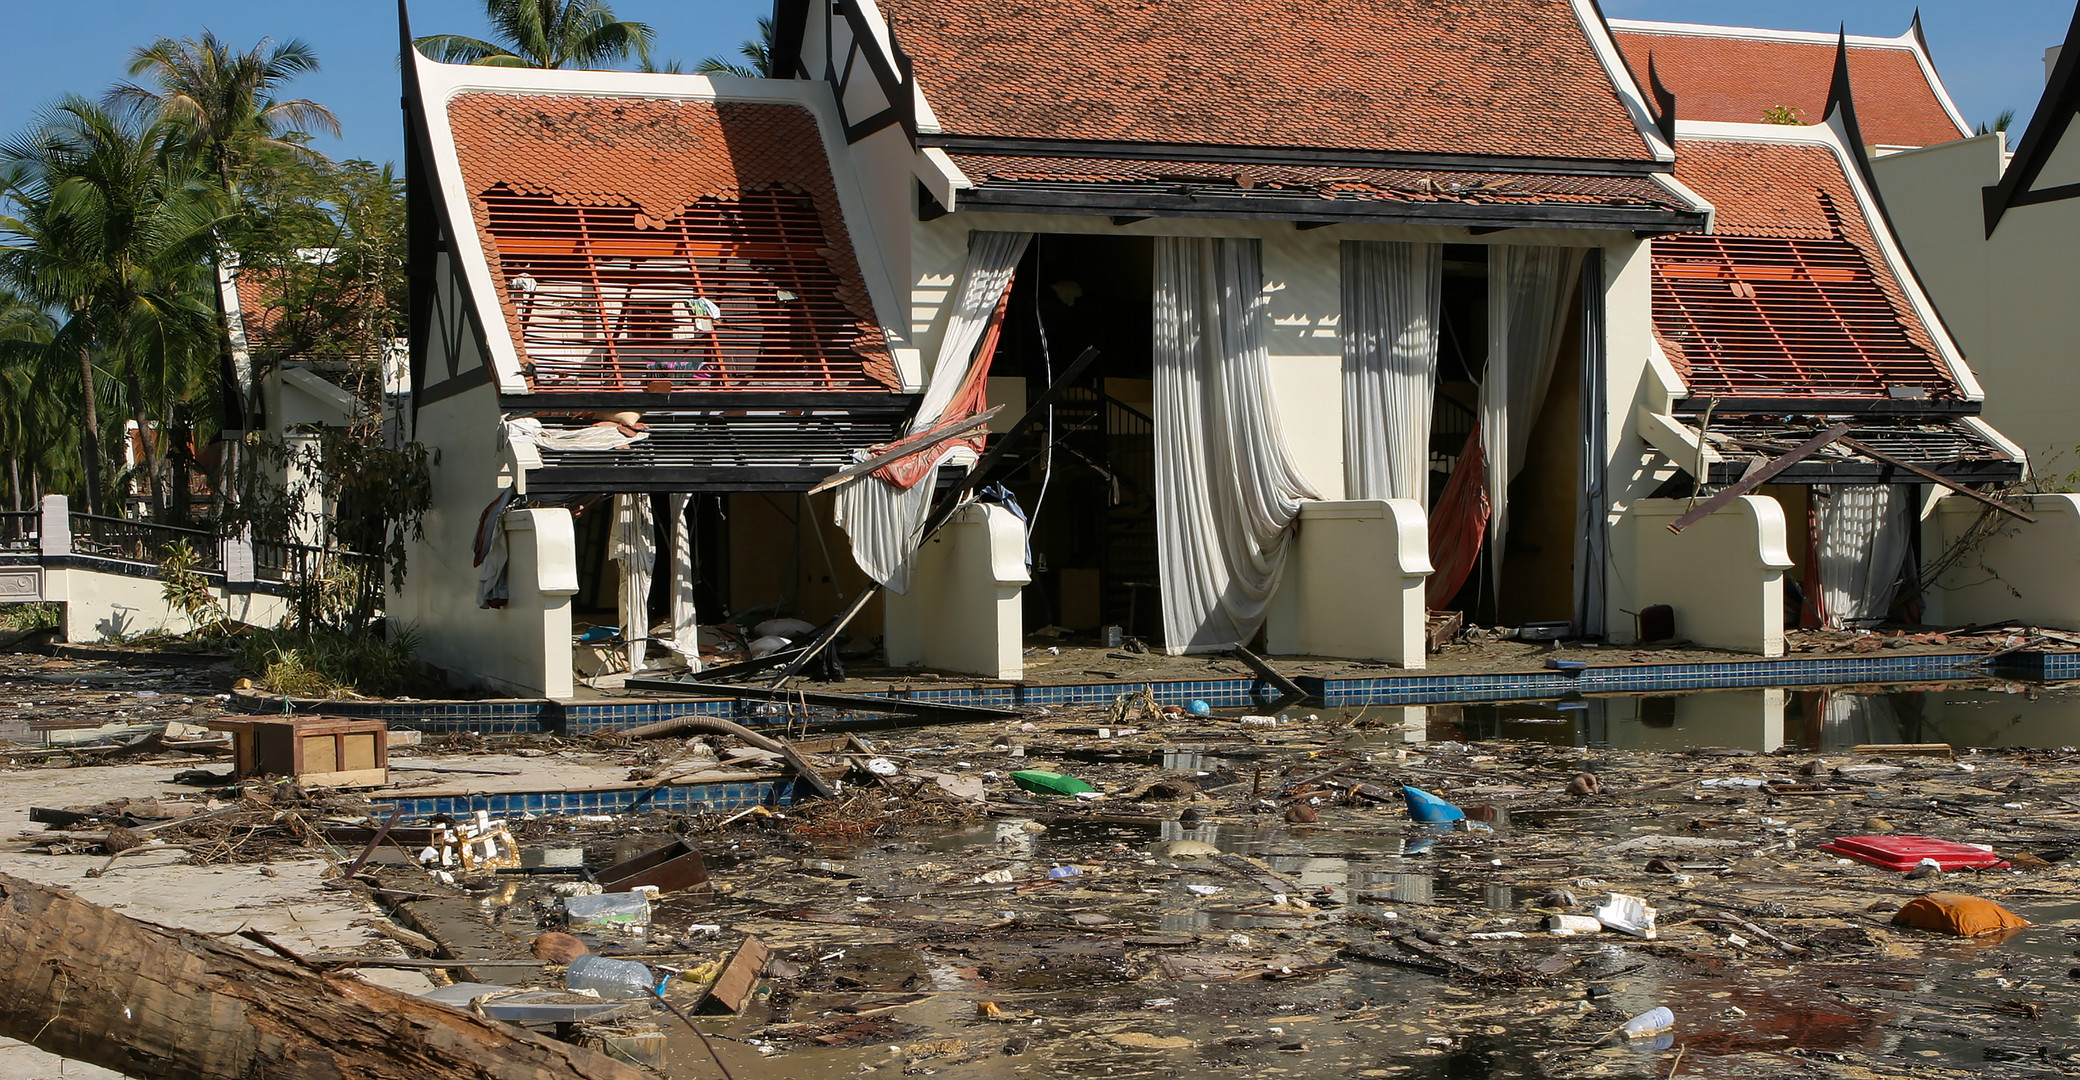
(318, 751)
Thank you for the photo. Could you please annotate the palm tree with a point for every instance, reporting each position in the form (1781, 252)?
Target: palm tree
(111, 235)
(2000, 123)
(221, 106)
(545, 34)
(31, 426)
(758, 51)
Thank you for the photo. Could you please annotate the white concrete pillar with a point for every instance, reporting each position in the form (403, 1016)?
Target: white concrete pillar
(54, 531)
(541, 578)
(1724, 575)
(1354, 583)
(964, 611)
(2028, 572)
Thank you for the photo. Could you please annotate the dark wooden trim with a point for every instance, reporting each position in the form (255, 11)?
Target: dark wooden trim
(1262, 206)
(894, 88)
(866, 402)
(790, 26)
(586, 480)
(1287, 155)
(885, 118)
(2047, 125)
(1752, 479)
(1868, 472)
(449, 387)
(2045, 195)
(1796, 406)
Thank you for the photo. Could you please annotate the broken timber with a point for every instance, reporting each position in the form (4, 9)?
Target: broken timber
(93, 985)
(1887, 459)
(905, 447)
(1270, 674)
(1755, 478)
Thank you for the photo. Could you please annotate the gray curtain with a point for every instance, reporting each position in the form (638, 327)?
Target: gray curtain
(1529, 289)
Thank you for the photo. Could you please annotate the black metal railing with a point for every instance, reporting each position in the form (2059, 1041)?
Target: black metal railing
(335, 581)
(18, 530)
(142, 541)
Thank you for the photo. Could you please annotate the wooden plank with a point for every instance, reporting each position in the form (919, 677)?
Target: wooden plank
(732, 989)
(862, 702)
(1269, 674)
(904, 447)
(1920, 749)
(1881, 456)
(1757, 477)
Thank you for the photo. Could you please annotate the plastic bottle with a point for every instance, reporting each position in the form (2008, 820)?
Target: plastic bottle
(613, 979)
(1649, 1024)
(620, 911)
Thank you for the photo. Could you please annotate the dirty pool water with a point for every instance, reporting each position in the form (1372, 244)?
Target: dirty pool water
(919, 938)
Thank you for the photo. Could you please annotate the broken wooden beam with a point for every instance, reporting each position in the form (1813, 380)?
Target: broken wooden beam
(1887, 459)
(905, 447)
(739, 977)
(1270, 674)
(94, 985)
(1755, 478)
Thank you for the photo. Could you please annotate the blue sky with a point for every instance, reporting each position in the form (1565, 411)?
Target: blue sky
(1990, 54)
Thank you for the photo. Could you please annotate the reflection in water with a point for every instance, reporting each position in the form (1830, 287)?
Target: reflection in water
(1986, 714)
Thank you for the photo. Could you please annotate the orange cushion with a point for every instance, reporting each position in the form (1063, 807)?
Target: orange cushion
(1950, 913)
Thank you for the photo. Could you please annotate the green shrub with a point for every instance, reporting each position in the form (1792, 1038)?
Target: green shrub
(29, 616)
(333, 663)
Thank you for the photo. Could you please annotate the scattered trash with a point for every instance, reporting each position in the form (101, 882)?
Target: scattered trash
(1627, 914)
(1574, 924)
(612, 911)
(611, 979)
(1963, 916)
(1049, 783)
(1649, 1024)
(1198, 708)
(1423, 806)
(1904, 853)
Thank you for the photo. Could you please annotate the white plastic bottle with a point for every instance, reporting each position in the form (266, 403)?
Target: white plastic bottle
(614, 979)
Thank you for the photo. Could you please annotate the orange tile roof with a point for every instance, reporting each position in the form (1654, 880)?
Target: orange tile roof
(1738, 79)
(1419, 76)
(1329, 182)
(1790, 295)
(665, 159)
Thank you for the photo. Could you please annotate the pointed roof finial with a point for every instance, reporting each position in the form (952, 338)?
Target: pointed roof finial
(1664, 103)
(1841, 102)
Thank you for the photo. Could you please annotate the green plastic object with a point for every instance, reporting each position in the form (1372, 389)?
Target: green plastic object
(1049, 783)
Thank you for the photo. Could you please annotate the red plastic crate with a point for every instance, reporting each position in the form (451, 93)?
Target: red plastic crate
(1903, 853)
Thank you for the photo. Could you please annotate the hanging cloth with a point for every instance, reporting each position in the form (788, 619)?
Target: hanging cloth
(1457, 524)
(1226, 485)
(634, 548)
(685, 639)
(1392, 296)
(883, 515)
(1861, 536)
(1530, 290)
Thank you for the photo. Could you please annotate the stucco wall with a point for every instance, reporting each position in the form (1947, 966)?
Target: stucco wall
(1723, 575)
(2007, 300)
(2024, 571)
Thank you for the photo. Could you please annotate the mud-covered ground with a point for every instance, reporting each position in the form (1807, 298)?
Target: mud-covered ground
(1241, 898)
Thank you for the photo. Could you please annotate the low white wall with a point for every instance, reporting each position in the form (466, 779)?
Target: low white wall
(2025, 572)
(1724, 575)
(104, 607)
(1354, 581)
(964, 612)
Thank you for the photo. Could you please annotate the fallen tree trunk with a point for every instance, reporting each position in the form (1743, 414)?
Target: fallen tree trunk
(93, 985)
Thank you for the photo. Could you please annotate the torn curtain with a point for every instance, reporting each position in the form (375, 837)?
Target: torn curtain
(1530, 290)
(1227, 488)
(1861, 536)
(884, 514)
(634, 548)
(1392, 296)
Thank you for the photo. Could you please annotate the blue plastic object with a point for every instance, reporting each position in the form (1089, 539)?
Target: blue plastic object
(593, 635)
(1423, 806)
(1198, 708)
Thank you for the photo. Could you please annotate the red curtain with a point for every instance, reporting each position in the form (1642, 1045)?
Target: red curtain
(972, 398)
(1459, 524)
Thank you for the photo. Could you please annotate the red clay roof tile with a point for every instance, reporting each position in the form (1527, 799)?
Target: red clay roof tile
(1739, 79)
(1422, 76)
(1790, 295)
(664, 158)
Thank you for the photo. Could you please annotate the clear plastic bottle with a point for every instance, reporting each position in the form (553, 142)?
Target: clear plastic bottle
(614, 979)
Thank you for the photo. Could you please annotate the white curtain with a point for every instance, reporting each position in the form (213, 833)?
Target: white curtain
(685, 626)
(1529, 289)
(1392, 294)
(634, 547)
(1226, 485)
(883, 521)
(1862, 533)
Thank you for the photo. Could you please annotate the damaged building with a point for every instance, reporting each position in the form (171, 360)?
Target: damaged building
(1253, 343)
